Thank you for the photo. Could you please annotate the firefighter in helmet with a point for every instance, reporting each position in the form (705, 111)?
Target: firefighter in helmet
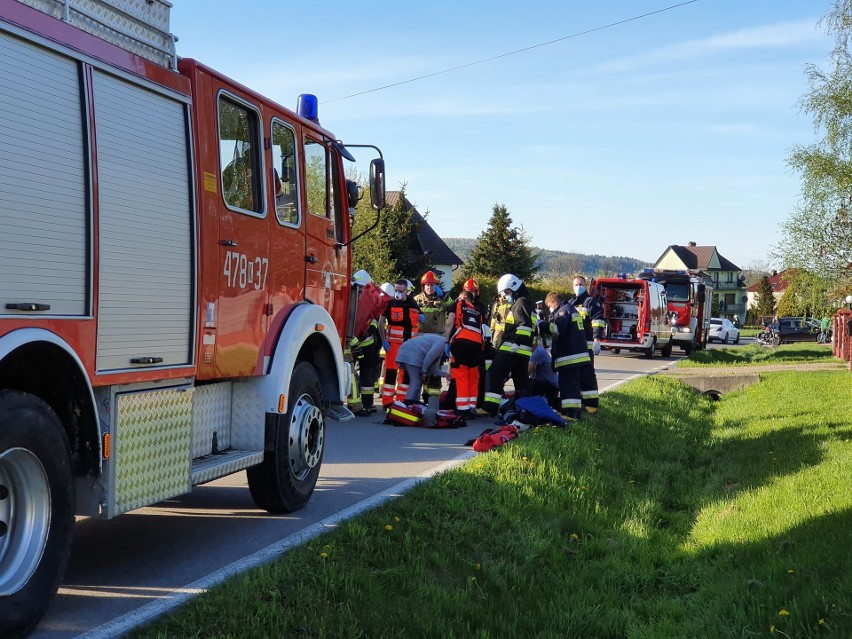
(513, 355)
(433, 304)
(398, 323)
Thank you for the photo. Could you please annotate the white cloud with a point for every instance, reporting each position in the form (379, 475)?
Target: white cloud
(772, 36)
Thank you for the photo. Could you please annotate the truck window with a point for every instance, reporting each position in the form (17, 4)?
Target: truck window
(677, 292)
(239, 158)
(285, 179)
(316, 177)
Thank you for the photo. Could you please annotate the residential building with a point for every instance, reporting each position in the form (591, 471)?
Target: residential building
(729, 287)
(776, 281)
(439, 256)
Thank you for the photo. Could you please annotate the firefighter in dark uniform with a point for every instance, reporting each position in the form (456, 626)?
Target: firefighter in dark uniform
(433, 304)
(369, 366)
(513, 355)
(593, 322)
(569, 352)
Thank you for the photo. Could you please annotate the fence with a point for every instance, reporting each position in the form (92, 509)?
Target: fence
(842, 326)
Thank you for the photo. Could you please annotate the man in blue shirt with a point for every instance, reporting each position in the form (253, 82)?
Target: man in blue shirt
(544, 380)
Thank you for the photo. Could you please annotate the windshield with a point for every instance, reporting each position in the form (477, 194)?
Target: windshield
(677, 292)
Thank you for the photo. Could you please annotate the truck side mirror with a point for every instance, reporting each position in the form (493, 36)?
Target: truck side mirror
(377, 184)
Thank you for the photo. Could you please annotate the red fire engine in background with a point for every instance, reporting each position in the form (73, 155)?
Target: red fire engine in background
(175, 282)
(689, 296)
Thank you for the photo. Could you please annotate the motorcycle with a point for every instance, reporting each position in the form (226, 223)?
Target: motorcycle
(769, 337)
(826, 336)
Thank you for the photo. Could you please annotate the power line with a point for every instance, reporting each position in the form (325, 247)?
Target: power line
(515, 52)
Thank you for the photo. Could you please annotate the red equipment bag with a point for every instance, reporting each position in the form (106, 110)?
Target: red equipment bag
(494, 437)
(401, 415)
(449, 419)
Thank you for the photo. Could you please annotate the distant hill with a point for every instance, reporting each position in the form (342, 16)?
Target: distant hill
(556, 264)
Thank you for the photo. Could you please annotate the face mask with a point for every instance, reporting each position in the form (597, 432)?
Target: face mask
(579, 290)
(398, 295)
(508, 298)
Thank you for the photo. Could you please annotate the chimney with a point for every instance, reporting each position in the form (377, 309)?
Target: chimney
(692, 244)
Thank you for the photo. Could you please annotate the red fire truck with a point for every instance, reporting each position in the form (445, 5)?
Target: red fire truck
(689, 295)
(175, 282)
(635, 316)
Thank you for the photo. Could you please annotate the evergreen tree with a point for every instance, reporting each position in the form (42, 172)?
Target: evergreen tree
(818, 237)
(764, 299)
(502, 248)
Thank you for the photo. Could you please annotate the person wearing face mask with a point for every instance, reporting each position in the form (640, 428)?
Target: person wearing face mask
(513, 355)
(593, 323)
(397, 324)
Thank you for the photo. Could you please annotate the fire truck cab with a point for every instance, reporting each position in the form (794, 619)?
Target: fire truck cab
(176, 282)
(689, 295)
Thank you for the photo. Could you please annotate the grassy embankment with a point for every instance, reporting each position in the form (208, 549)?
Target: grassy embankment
(665, 515)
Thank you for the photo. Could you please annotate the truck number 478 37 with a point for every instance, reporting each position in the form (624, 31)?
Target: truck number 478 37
(241, 271)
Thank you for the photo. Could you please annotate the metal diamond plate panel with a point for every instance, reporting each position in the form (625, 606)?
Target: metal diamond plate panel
(135, 25)
(247, 418)
(211, 413)
(152, 447)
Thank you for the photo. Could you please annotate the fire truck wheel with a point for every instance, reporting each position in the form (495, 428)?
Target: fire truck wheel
(649, 352)
(687, 349)
(36, 510)
(666, 351)
(285, 480)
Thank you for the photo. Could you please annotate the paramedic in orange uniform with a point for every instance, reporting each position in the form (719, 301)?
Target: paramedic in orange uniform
(397, 324)
(464, 343)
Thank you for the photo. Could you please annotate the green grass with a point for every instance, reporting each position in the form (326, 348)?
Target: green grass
(757, 355)
(666, 515)
(751, 332)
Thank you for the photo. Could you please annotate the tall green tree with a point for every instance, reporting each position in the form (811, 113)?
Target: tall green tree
(502, 248)
(818, 236)
(764, 298)
(391, 250)
(805, 295)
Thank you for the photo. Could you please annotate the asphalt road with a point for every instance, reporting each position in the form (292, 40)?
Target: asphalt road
(126, 571)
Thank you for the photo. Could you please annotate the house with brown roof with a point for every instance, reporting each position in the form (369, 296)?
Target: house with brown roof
(778, 283)
(439, 256)
(728, 282)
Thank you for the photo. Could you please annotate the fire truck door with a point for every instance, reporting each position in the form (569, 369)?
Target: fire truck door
(240, 316)
(325, 265)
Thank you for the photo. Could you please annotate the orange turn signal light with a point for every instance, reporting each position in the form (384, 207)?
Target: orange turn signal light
(107, 445)
(282, 404)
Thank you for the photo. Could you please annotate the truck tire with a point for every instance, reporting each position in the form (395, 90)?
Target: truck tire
(649, 352)
(666, 351)
(36, 510)
(285, 480)
(687, 349)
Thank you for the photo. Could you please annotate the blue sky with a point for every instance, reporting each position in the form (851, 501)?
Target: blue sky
(663, 130)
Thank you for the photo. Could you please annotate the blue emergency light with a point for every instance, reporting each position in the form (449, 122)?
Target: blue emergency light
(307, 106)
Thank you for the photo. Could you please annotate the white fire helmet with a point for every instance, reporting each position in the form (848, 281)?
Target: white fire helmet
(508, 281)
(387, 289)
(361, 278)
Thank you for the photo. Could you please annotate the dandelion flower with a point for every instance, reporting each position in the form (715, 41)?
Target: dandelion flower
(574, 536)
(396, 519)
(478, 566)
(524, 458)
(388, 527)
(784, 613)
(771, 630)
(323, 555)
(582, 488)
(821, 622)
(790, 571)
